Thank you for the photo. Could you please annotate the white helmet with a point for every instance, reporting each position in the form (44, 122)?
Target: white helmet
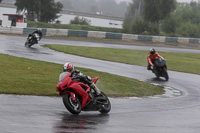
(68, 67)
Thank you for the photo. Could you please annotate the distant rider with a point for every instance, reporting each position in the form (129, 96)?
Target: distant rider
(151, 57)
(78, 76)
(37, 35)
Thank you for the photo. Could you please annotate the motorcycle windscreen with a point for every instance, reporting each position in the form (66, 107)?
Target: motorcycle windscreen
(65, 81)
(159, 62)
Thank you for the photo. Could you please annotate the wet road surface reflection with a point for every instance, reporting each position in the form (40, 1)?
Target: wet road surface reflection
(80, 123)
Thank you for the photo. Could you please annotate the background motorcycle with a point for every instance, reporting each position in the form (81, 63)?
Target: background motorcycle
(78, 96)
(160, 68)
(32, 39)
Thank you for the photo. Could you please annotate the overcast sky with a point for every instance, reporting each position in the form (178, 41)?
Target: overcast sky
(177, 0)
(186, 0)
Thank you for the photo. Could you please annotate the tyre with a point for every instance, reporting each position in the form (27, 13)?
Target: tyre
(105, 105)
(157, 74)
(31, 42)
(26, 44)
(166, 74)
(72, 106)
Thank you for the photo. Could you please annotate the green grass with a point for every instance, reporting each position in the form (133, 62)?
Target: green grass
(175, 61)
(30, 77)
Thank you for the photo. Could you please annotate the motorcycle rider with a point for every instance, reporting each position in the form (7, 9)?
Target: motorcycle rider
(151, 57)
(78, 76)
(37, 35)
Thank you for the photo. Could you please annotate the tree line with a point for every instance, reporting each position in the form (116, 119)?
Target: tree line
(47, 10)
(163, 17)
(40, 10)
(148, 17)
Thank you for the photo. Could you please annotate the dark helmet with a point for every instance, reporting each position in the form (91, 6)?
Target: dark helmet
(39, 31)
(152, 51)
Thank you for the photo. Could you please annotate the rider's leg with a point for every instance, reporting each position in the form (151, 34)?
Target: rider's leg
(88, 81)
(149, 67)
(94, 87)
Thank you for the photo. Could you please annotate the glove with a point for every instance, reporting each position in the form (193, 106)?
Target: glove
(76, 71)
(152, 67)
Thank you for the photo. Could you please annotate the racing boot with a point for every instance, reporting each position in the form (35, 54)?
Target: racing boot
(94, 87)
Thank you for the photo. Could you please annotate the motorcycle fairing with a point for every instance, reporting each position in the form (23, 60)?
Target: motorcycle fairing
(159, 62)
(76, 86)
(61, 85)
(94, 80)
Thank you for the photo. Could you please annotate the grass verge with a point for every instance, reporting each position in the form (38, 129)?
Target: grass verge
(29, 77)
(175, 61)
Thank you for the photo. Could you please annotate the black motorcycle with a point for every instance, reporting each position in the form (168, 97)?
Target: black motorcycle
(32, 39)
(160, 68)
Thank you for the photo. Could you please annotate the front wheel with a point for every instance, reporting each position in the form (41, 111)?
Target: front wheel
(73, 106)
(26, 44)
(166, 74)
(157, 74)
(105, 104)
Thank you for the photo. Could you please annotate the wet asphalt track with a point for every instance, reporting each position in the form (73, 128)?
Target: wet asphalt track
(30, 114)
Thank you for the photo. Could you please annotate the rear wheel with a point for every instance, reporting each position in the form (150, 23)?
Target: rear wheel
(105, 104)
(73, 106)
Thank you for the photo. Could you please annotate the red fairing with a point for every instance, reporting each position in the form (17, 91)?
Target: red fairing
(61, 85)
(79, 90)
(76, 86)
(94, 80)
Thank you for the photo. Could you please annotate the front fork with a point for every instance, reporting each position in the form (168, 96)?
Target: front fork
(72, 95)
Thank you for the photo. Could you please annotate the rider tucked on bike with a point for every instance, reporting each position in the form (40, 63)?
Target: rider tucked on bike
(37, 35)
(151, 57)
(78, 76)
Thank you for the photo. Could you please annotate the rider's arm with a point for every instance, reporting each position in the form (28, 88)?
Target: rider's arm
(149, 60)
(41, 35)
(159, 56)
(34, 32)
(83, 78)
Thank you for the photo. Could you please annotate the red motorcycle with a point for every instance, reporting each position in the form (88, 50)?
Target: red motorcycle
(78, 96)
